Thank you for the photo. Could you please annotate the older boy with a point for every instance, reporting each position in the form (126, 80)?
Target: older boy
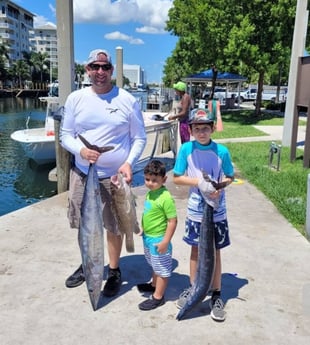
(197, 156)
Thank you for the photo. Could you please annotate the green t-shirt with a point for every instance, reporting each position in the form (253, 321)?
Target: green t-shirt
(159, 206)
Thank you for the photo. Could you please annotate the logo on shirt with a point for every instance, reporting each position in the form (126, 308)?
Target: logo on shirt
(112, 110)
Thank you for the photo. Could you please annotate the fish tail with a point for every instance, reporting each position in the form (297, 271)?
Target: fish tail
(130, 245)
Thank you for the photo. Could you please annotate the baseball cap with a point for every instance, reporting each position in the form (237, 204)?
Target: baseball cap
(200, 116)
(180, 86)
(93, 56)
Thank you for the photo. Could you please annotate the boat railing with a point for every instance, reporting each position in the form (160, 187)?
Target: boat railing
(162, 137)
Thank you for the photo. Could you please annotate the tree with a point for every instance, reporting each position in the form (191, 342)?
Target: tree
(252, 38)
(41, 65)
(79, 73)
(19, 69)
(4, 58)
(261, 39)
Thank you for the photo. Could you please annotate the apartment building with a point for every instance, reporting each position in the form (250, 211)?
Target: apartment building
(135, 74)
(18, 34)
(15, 25)
(43, 39)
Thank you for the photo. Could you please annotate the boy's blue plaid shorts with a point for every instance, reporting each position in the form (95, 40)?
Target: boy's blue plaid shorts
(221, 235)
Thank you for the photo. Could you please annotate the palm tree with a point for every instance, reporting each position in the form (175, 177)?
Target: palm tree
(27, 58)
(4, 58)
(79, 73)
(20, 69)
(40, 63)
(4, 52)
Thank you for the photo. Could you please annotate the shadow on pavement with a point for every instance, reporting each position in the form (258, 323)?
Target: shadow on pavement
(231, 284)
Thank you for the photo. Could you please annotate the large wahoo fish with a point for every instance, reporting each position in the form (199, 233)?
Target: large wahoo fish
(206, 264)
(123, 204)
(91, 239)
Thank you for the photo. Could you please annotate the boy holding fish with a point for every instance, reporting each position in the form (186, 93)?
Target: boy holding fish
(159, 221)
(206, 168)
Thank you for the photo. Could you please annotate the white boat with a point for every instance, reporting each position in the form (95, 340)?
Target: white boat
(39, 143)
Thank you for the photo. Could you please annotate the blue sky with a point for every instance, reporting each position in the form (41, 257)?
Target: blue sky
(135, 25)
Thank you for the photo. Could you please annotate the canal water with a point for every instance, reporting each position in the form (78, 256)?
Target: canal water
(22, 182)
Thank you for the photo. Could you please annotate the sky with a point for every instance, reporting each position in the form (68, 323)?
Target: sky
(135, 25)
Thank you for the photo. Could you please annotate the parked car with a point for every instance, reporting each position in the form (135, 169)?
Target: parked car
(271, 95)
(248, 95)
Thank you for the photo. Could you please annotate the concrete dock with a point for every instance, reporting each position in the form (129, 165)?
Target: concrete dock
(266, 281)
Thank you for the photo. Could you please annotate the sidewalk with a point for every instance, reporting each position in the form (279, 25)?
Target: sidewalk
(266, 282)
(273, 133)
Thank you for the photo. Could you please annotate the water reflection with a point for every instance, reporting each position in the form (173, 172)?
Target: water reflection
(21, 183)
(12, 105)
(32, 183)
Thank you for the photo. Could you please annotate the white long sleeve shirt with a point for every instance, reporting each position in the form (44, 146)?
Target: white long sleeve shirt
(111, 119)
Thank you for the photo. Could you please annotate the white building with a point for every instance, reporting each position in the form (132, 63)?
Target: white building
(15, 24)
(43, 39)
(134, 73)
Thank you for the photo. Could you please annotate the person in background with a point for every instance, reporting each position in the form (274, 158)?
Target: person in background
(159, 221)
(197, 156)
(105, 115)
(183, 110)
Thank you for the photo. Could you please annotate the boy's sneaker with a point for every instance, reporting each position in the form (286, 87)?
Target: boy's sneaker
(151, 303)
(113, 284)
(217, 309)
(183, 297)
(76, 279)
(146, 287)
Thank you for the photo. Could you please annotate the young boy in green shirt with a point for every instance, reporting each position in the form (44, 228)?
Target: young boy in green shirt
(159, 221)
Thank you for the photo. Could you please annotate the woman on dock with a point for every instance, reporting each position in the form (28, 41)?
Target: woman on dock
(183, 110)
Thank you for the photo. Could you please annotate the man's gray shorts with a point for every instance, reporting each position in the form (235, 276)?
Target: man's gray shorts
(76, 190)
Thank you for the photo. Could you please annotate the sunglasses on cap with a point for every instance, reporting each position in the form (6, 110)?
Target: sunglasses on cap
(96, 67)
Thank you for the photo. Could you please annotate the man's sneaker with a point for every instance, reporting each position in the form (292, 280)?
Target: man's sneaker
(113, 284)
(146, 287)
(217, 309)
(151, 303)
(76, 279)
(183, 297)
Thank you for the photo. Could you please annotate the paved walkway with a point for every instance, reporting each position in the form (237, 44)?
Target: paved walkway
(273, 133)
(266, 282)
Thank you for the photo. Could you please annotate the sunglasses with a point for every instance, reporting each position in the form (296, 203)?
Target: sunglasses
(96, 67)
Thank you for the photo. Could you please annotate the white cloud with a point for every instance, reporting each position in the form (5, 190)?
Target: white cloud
(151, 14)
(41, 21)
(116, 35)
(150, 30)
(53, 9)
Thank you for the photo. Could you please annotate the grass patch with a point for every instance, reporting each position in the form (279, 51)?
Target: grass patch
(287, 188)
(239, 123)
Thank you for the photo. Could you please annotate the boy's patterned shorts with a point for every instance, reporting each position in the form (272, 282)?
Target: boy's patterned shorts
(192, 231)
(160, 263)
